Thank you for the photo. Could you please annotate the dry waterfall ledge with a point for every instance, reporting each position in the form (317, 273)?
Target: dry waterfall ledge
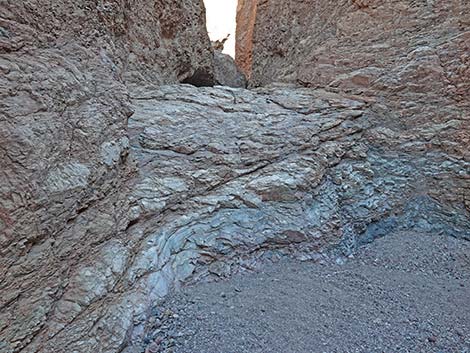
(230, 177)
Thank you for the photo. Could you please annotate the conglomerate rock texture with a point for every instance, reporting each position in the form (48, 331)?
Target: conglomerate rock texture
(103, 211)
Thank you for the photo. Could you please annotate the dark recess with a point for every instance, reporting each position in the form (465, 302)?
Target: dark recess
(200, 78)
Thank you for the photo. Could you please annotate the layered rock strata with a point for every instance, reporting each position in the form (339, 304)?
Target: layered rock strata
(103, 211)
(64, 157)
(411, 57)
(231, 177)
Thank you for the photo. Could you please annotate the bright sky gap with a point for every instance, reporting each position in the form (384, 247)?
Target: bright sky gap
(221, 20)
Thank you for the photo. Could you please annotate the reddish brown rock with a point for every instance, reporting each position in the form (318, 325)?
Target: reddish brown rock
(246, 17)
(359, 44)
(411, 57)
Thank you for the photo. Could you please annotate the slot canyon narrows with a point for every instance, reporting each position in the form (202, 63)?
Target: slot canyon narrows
(221, 22)
(310, 195)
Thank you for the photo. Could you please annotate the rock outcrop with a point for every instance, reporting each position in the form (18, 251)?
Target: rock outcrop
(410, 57)
(246, 17)
(64, 158)
(262, 173)
(368, 45)
(115, 189)
(228, 178)
(226, 71)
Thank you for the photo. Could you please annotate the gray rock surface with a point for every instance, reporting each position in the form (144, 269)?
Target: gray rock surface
(102, 212)
(225, 179)
(226, 71)
(64, 158)
(230, 178)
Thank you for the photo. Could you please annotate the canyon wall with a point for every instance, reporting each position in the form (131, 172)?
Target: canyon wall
(246, 17)
(115, 189)
(356, 44)
(411, 58)
(64, 158)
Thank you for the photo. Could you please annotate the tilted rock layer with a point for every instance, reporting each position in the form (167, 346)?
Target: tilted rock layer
(64, 156)
(103, 211)
(410, 57)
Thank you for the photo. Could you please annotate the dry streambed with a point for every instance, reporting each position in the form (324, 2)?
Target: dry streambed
(408, 292)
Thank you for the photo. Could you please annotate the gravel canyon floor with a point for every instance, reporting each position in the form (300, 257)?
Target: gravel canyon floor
(407, 292)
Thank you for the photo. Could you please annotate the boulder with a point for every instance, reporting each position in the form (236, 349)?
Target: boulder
(226, 71)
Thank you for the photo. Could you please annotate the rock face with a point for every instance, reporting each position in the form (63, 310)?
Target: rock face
(228, 178)
(246, 17)
(64, 158)
(102, 211)
(226, 71)
(371, 45)
(410, 57)
(262, 173)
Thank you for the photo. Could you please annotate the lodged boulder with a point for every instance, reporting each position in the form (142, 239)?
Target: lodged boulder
(226, 71)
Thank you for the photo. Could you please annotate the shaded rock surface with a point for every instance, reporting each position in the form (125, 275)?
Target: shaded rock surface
(403, 293)
(103, 212)
(64, 158)
(411, 56)
(226, 179)
(231, 178)
(226, 71)
(371, 45)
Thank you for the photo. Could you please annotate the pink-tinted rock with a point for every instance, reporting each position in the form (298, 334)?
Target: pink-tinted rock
(64, 159)
(368, 45)
(246, 17)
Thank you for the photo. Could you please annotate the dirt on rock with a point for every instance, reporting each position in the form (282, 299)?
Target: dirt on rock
(407, 292)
